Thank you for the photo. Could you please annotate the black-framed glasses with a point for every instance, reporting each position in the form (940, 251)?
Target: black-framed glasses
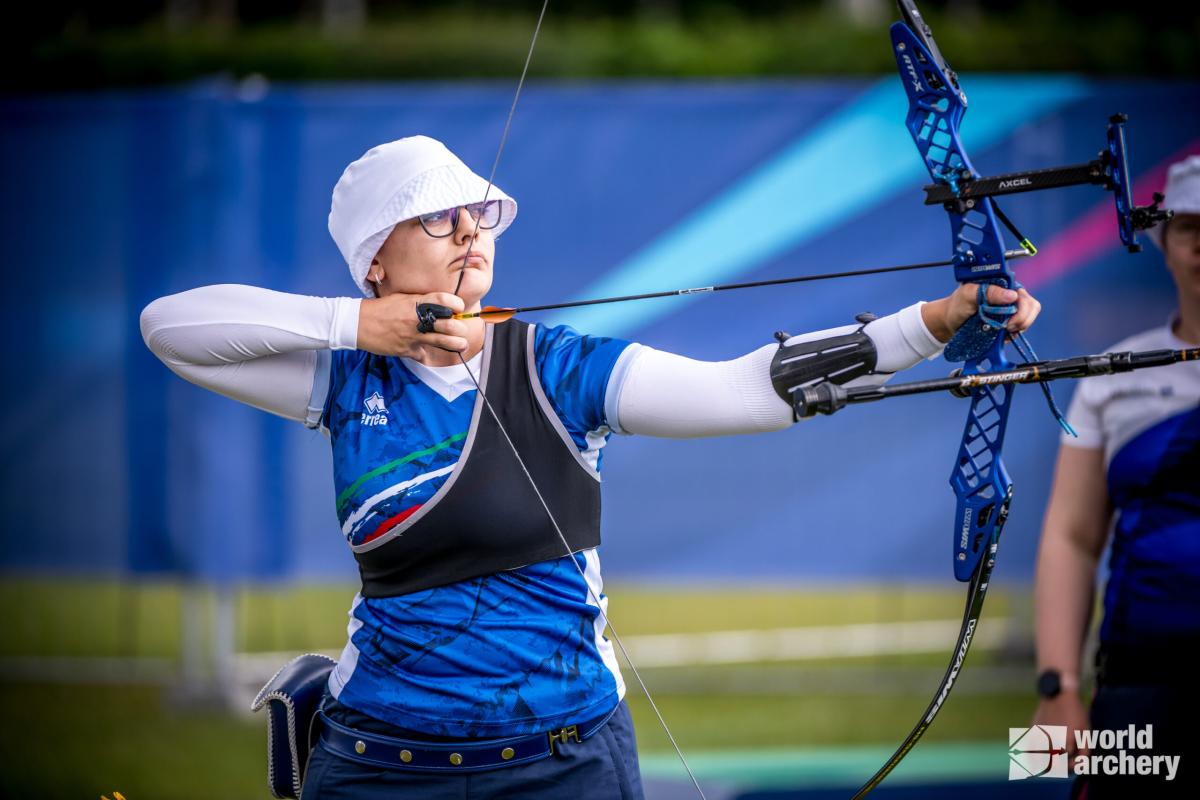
(440, 224)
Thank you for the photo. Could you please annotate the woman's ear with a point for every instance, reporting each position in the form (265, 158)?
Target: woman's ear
(375, 275)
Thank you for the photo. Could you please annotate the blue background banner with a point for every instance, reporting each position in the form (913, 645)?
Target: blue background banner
(113, 465)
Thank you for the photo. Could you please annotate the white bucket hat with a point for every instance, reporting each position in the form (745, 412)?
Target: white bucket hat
(397, 181)
(1182, 194)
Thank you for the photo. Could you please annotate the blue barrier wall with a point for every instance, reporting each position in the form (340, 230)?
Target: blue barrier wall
(114, 465)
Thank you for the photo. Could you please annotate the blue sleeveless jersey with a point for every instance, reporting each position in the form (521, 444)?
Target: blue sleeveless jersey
(512, 653)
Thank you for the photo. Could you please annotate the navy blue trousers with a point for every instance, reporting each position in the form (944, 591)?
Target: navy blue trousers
(603, 767)
(1174, 711)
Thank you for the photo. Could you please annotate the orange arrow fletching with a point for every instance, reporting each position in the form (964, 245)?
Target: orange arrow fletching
(490, 314)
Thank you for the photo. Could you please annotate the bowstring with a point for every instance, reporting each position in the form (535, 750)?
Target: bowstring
(537, 28)
(591, 591)
(521, 462)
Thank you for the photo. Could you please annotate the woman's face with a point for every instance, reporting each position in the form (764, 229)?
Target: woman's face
(1181, 247)
(413, 262)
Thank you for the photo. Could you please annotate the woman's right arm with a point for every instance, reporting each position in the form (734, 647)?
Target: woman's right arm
(268, 349)
(1073, 538)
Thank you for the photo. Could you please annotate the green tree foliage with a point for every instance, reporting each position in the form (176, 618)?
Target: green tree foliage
(92, 44)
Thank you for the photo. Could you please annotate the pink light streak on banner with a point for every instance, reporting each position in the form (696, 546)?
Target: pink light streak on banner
(1095, 233)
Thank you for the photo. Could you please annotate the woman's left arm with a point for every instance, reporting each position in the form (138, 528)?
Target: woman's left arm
(667, 395)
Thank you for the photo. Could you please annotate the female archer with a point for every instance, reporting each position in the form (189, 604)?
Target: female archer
(1131, 483)
(466, 460)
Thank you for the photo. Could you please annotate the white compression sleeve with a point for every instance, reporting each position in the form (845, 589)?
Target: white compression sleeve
(267, 349)
(662, 394)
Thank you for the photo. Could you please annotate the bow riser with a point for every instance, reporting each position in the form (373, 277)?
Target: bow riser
(935, 112)
(937, 105)
(980, 479)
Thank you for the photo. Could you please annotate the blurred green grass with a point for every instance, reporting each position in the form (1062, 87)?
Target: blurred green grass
(105, 618)
(69, 741)
(78, 740)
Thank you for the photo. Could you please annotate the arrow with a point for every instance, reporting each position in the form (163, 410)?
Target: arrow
(501, 314)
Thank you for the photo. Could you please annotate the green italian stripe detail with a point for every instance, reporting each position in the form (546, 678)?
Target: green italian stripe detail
(349, 491)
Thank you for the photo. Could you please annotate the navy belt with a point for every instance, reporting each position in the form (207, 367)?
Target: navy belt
(391, 752)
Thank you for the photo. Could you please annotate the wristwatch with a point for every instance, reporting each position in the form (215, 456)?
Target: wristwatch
(1049, 683)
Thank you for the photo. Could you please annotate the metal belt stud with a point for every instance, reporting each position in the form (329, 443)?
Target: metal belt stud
(507, 753)
(405, 756)
(360, 747)
(456, 759)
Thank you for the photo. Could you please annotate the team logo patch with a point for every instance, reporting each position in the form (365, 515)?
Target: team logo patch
(376, 413)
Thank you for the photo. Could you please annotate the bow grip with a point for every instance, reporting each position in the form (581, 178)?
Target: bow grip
(979, 333)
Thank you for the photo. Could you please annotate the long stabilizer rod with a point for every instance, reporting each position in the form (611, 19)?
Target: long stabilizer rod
(826, 398)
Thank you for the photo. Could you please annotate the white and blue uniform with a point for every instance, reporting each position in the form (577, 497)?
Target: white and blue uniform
(516, 652)
(1148, 424)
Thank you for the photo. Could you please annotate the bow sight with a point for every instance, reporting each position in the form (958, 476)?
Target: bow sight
(1109, 169)
(926, 74)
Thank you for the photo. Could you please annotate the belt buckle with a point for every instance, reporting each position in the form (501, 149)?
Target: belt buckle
(563, 735)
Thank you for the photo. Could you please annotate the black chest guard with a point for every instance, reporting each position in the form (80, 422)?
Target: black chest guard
(486, 518)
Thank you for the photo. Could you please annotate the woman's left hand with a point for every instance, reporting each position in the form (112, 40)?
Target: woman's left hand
(945, 316)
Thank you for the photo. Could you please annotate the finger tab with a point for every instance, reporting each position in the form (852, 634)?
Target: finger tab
(429, 313)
